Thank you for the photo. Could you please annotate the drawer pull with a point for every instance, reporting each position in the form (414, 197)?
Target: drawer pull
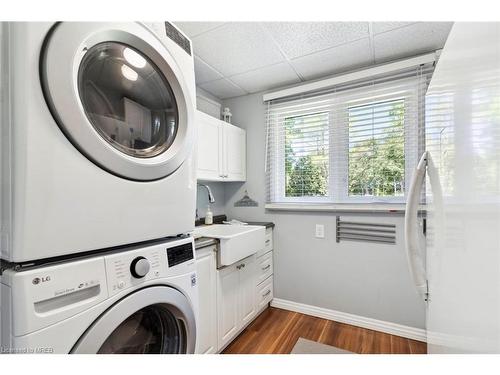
(242, 265)
(266, 267)
(267, 241)
(267, 293)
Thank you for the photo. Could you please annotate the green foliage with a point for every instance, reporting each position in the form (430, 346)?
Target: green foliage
(305, 175)
(307, 178)
(376, 166)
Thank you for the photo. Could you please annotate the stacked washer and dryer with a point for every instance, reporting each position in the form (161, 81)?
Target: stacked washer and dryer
(98, 188)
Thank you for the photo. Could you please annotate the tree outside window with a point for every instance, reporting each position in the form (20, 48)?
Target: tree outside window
(306, 155)
(376, 149)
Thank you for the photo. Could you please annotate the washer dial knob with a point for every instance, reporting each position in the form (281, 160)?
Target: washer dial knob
(139, 267)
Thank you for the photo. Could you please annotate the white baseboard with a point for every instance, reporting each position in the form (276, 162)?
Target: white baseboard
(355, 320)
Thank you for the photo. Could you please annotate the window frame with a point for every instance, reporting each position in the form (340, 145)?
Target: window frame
(338, 168)
(410, 134)
(282, 163)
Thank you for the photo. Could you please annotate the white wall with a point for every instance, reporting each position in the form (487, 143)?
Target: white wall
(370, 280)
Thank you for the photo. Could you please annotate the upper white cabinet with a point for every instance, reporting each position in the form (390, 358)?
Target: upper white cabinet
(221, 150)
(234, 159)
(209, 147)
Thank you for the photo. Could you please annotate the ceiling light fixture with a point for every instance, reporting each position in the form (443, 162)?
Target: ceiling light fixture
(129, 73)
(134, 58)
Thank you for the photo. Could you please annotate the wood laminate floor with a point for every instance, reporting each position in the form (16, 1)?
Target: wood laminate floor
(277, 331)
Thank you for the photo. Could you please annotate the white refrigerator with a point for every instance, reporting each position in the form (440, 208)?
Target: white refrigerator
(458, 271)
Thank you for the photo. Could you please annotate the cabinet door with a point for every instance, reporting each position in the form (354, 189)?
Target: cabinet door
(209, 147)
(234, 151)
(247, 305)
(206, 335)
(227, 304)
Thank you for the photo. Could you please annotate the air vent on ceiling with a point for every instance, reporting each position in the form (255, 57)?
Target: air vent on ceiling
(177, 37)
(365, 232)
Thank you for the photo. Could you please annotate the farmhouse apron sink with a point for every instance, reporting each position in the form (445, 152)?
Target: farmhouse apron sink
(236, 241)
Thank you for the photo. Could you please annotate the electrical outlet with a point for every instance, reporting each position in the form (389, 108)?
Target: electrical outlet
(320, 231)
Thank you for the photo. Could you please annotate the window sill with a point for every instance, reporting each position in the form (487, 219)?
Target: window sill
(387, 208)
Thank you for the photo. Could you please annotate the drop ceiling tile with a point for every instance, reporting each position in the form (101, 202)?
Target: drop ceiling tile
(223, 89)
(266, 78)
(192, 29)
(346, 57)
(381, 27)
(237, 47)
(302, 38)
(411, 40)
(204, 72)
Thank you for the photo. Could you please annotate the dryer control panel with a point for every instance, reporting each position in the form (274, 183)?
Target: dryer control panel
(180, 254)
(134, 267)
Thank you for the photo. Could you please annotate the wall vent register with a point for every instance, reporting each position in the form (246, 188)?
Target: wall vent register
(365, 232)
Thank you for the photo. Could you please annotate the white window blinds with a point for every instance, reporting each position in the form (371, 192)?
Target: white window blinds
(353, 143)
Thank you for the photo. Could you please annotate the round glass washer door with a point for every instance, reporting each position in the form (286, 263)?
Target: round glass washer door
(119, 96)
(150, 330)
(154, 320)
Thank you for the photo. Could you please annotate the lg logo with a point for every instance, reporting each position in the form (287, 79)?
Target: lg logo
(38, 280)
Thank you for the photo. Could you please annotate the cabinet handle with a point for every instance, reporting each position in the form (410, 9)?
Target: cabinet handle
(242, 265)
(267, 293)
(267, 241)
(266, 267)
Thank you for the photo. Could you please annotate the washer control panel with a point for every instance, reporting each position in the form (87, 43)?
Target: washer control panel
(133, 267)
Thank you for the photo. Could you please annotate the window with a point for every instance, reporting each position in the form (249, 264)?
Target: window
(306, 155)
(356, 144)
(376, 149)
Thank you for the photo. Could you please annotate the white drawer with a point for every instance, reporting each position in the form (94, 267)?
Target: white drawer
(264, 267)
(268, 245)
(264, 293)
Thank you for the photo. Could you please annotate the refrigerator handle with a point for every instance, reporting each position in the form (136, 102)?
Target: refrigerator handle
(413, 251)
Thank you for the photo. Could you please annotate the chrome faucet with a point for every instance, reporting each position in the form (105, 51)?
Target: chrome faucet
(211, 198)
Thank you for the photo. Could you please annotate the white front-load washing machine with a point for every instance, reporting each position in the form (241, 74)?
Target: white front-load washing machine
(97, 130)
(143, 300)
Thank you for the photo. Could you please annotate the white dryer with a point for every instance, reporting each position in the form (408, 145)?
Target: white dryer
(97, 132)
(143, 300)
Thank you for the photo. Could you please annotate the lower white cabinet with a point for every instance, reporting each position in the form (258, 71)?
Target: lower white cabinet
(247, 305)
(236, 305)
(228, 280)
(206, 332)
(231, 297)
